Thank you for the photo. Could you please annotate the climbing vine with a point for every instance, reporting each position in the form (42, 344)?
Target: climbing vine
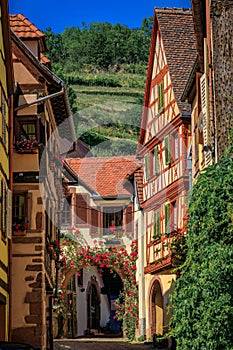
(202, 302)
(75, 254)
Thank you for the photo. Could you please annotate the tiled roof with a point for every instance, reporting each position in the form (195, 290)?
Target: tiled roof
(177, 29)
(44, 59)
(105, 176)
(23, 28)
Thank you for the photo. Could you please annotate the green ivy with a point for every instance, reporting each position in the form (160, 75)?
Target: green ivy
(202, 300)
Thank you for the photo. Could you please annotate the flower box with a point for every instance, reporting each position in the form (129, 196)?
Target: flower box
(28, 146)
(19, 229)
(19, 232)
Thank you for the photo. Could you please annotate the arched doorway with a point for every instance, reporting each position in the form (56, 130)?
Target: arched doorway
(93, 306)
(113, 286)
(156, 309)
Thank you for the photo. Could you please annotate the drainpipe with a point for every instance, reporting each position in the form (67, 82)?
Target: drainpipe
(141, 279)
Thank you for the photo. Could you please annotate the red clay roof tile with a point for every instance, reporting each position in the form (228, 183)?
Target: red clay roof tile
(23, 28)
(105, 176)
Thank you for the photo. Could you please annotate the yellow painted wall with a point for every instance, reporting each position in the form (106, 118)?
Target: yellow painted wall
(4, 171)
(165, 279)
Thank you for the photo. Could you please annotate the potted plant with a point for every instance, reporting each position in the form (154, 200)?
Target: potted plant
(19, 229)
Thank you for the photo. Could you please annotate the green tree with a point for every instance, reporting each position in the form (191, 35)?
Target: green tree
(202, 300)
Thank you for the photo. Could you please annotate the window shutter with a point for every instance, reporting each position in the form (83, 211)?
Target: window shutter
(4, 204)
(156, 160)
(146, 164)
(94, 221)
(9, 214)
(157, 231)
(81, 210)
(160, 96)
(128, 212)
(167, 218)
(167, 147)
(28, 210)
(204, 86)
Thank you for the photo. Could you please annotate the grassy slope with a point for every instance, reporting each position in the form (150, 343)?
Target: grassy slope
(108, 118)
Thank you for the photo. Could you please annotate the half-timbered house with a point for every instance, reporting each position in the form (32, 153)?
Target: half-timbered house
(40, 105)
(163, 148)
(6, 94)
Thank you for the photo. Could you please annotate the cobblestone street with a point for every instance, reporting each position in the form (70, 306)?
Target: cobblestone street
(99, 344)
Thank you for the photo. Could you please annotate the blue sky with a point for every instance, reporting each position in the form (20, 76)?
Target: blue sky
(59, 14)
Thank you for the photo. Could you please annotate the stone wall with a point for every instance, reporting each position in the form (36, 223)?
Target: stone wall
(222, 34)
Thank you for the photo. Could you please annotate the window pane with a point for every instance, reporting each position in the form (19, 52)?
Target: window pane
(19, 202)
(28, 131)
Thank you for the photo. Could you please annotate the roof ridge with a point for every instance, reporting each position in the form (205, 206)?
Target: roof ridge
(181, 10)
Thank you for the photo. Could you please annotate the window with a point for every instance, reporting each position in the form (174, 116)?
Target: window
(27, 128)
(156, 160)
(174, 216)
(27, 131)
(112, 218)
(167, 150)
(157, 231)
(175, 146)
(161, 96)
(66, 212)
(19, 209)
(167, 218)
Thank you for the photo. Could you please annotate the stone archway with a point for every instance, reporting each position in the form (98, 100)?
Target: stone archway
(156, 312)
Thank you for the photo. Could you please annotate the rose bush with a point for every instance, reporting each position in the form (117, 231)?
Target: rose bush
(75, 255)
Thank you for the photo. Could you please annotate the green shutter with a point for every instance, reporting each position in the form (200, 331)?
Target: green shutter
(160, 96)
(157, 232)
(167, 147)
(146, 161)
(167, 218)
(156, 160)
